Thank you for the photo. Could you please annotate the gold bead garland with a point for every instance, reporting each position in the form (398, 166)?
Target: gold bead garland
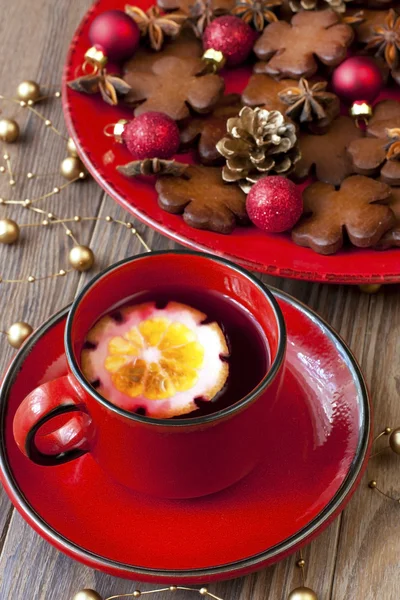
(89, 594)
(81, 257)
(299, 593)
(394, 446)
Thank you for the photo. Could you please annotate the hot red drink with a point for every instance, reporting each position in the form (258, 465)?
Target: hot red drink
(190, 356)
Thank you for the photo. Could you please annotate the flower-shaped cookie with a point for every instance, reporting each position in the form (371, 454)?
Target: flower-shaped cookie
(290, 49)
(217, 6)
(263, 90)
(391, 239)
(172, 85)
(326, 154)
(184, 46)
(352, 208)
(204, 199)
(207, 130)
(378, 153)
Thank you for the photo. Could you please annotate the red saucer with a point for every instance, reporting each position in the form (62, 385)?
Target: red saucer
(313, 462)
(276, 254)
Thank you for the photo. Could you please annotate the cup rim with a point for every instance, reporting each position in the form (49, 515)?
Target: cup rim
(184, 422)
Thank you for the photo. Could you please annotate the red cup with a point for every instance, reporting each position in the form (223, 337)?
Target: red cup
(182, 458)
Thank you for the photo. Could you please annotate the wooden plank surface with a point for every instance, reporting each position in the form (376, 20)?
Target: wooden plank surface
(357, 557)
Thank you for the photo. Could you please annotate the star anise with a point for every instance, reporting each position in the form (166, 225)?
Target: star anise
(256, 12)
(386, 39)
(308, 102)
(109, 86)
(336, 5)
(393, 146)
(153, 166)
(156, 24)
(202, 12)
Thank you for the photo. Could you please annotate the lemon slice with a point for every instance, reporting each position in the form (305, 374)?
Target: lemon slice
(156, 361)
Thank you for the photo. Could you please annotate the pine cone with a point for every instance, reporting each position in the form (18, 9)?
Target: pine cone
(260, 142)
(337, 5)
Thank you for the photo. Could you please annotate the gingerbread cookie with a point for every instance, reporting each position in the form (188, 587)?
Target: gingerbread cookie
(289, 50)
(218, 6)
(171, 86)
(263, 90)
(353, 208)
(391, 239)
(183, 46)
(326, 154)
(209, 129)
(205, 201)
(379, 153)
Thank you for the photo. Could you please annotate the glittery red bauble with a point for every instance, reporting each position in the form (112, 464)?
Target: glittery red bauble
(231, 36)
(357, 78)
(116, 34)
(152, 135)
(274, 204)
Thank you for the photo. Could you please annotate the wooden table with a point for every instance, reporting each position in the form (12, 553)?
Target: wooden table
(357, 558)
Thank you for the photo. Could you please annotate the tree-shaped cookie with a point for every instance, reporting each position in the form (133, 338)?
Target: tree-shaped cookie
(289, 49)
(326, 154)
(205, 201)
(207, 130)
(391, 239)
(172, 85)
(379, 153)
(329, 212)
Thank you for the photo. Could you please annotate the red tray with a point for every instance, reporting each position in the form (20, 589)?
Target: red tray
(275, 254)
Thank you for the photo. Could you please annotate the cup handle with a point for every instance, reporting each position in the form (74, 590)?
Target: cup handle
(67, 441)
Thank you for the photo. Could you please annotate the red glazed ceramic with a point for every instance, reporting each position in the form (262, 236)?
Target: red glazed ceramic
(182, 458)
(86, 118)
(315, 455)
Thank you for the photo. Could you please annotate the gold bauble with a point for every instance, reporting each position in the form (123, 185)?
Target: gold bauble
(72, 151)
(394, 441)
(28, 90)
(81, 258)
(17, 333)
(71, 167)
(302, 593)
(87, 595)
(371, 288)
(9, 130)
(9, 231)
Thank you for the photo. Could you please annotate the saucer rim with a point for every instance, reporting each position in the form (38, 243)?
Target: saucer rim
(235, 568)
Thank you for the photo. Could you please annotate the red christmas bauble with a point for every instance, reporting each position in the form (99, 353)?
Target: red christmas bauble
(274, 204)
(152, 135)
(231, 36)
(357, 78)
(116, 34)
